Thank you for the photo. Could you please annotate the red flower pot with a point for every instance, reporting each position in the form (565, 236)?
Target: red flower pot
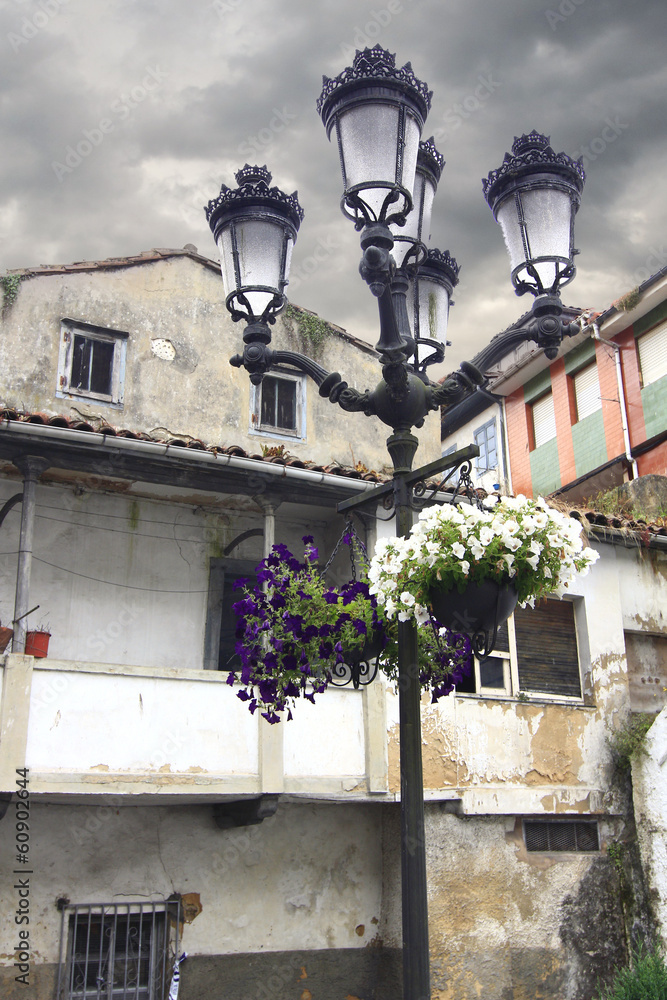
(5, 637)
(37, 643)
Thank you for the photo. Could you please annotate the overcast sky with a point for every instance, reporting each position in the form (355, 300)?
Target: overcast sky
(167, 99)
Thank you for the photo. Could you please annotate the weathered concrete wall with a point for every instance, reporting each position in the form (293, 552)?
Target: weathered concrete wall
(197, 393)
(649, 783)
(289, 898)
(505, 924)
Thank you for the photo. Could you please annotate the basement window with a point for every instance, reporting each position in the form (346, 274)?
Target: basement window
(117, 950)
(91, 363)
(547, 836)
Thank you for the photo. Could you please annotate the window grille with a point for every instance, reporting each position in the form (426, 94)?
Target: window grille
(544, 419)
(561, 835)
(117, 951)
(587, 391)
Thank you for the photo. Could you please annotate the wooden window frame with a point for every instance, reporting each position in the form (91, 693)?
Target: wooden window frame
(70, 329)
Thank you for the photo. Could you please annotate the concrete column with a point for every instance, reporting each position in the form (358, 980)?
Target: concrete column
(271, 758)
(14, 717)
(32, 466)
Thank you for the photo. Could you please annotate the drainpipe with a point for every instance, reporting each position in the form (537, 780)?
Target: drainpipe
(32, 466)
(591, 325)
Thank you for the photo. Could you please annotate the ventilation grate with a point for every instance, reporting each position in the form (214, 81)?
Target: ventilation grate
(561, 835)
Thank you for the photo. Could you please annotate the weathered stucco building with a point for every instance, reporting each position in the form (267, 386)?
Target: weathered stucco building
(163, 816)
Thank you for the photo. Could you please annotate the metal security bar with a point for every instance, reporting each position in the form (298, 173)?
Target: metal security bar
(117, 951)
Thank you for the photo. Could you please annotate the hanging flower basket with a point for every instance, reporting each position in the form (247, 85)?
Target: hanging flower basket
(481, 607)
(37, 643)
(469, 566)
(296, 635)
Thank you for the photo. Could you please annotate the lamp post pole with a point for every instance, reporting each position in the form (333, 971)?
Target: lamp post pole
(376, 112)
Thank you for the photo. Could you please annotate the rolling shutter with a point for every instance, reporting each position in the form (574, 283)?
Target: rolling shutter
(546, 643)
(544, 420)
(652, 348)
(587, 391)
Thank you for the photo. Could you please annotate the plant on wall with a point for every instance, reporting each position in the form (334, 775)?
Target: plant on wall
(10, 289)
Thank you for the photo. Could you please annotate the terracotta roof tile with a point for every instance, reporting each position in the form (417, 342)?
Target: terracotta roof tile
(235, 451)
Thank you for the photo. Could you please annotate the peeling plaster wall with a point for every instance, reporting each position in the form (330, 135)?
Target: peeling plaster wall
(502, 755)
(505, 924)
(197, 393)
(303, 883)
(649, 783)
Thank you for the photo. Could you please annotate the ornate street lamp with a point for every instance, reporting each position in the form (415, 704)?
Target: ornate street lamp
(376, 113)
(534, 196)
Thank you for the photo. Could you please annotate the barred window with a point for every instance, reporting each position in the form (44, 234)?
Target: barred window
(561, 835)
(117, 951)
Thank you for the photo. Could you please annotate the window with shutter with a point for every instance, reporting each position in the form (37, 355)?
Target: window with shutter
(587, 391)
(546, 649)
(652, 350)
(535, 652)
(544, 419)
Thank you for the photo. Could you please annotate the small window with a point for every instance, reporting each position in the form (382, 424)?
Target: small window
(277, 406)
(118, 950)
(544, 420)
(587, 391)
(652, 350)
(491, 675)
(485, 439)
(561, 835)
(92, 363)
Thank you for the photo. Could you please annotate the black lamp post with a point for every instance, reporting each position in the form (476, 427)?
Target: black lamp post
(376, 112)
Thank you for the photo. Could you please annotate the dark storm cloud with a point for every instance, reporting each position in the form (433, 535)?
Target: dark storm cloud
(236, 80)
